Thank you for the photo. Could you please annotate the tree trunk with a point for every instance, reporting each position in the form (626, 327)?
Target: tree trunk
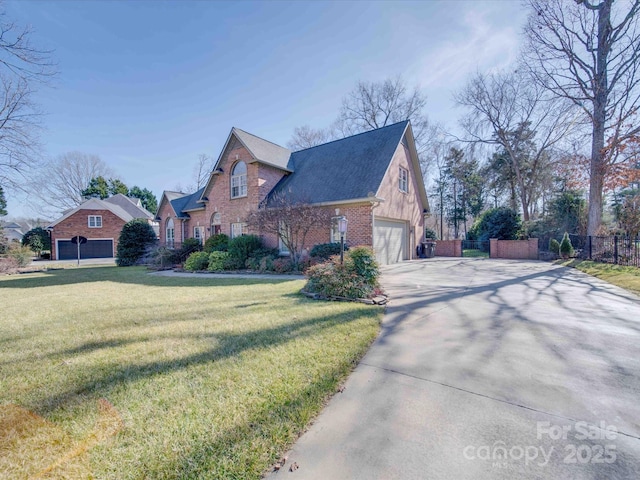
(600, 98)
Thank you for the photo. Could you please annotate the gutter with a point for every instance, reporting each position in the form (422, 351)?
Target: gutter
(371, 199)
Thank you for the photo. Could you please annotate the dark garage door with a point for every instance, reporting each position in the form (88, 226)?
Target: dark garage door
(91, 249)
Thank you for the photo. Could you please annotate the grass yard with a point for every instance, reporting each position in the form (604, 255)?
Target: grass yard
(474, 253)
(113, 373)
(625, 277)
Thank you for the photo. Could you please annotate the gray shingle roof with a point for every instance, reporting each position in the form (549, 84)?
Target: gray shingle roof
(344, 169)
(187, 202)
(263, 150)
(130, 206)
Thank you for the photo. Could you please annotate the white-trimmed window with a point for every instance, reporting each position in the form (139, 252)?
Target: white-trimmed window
(239, 180)
(216, 224)
(284, 233)
(238, 229)
(95, 221)
(335, 231)
(170, 233)
(403, 180)
(198, 234)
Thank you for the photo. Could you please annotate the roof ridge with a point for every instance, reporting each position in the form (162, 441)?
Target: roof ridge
(260, 138)
(351, 136)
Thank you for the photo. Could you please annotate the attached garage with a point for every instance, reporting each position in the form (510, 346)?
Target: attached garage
(390, 241)
(92, 249)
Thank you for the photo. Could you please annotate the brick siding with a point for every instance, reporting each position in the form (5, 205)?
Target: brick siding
(448, 248)
(514, 249)
(78, 224)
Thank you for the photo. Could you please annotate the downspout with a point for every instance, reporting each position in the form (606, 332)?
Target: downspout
(374, 205)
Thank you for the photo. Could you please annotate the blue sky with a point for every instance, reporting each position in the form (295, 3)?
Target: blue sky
(150, 85)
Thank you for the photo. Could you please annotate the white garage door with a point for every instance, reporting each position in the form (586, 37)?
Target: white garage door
(390, 241)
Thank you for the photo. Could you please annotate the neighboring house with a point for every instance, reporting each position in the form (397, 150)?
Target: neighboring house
(100, 221)
(373, 179)
(13, 232)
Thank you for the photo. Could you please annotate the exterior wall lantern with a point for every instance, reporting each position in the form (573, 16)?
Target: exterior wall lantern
(342, 228)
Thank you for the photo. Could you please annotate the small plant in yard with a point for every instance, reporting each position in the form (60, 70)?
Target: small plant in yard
(240, 249)
(430, 234)
(8, 265)
(554, 246)
(136, 237)
(197, 261)
(357, 277)
(21, 255)
(566, 249)
(217, 261)
(324, 251)
(216, 243)
(283, 265)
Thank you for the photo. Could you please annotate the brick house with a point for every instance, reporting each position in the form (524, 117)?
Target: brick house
(100, 221)
(373, 179)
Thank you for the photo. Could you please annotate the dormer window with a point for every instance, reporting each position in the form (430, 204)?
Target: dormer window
(239, 180)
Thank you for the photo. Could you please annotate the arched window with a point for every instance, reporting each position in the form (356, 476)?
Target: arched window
(216, 224)
(239, 180)
(170, 232)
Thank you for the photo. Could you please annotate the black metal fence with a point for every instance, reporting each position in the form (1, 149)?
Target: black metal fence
(475, 245)
(618, 250)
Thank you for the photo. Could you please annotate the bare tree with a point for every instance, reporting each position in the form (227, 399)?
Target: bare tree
(588, 52)
(61, 181)
(290, 221)
(22, 68)
(202, 171)
(307, 137)
(372, 105)
(511, 111)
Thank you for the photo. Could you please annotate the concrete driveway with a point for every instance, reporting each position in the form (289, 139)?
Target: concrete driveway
(487, 369)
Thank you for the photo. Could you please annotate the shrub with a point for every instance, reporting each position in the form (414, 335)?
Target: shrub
(282, 265)
(241, 248)
(566, 249)
(135, 239)
(362, 261)
(554, 246)
(356, 278)
(189, 246)
(324, 251)
(21, 255)
(261, 260)
(501, 223)
(197, 261)
(8, 265)
(217, 261)
(216, 243)
(430, 234)
(37, 239)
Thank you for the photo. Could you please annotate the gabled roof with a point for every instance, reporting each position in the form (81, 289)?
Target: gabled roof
(263, 150)
(185, 202)
(13, 225)
(98, 204)
(133, 206)
(342, 170)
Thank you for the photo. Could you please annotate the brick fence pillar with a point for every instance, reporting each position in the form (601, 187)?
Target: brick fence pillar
(493, 248)
(457, 248)
(533, 249)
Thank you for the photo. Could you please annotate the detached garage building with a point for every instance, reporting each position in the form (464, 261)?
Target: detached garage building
(100, 221)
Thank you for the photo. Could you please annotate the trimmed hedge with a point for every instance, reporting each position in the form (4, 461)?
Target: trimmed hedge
(357, 277)
(217, 261)
(197, 261)
(217, 243)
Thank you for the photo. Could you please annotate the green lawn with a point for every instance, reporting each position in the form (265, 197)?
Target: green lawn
(625, 277)
(472, 253)
(203, 378)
